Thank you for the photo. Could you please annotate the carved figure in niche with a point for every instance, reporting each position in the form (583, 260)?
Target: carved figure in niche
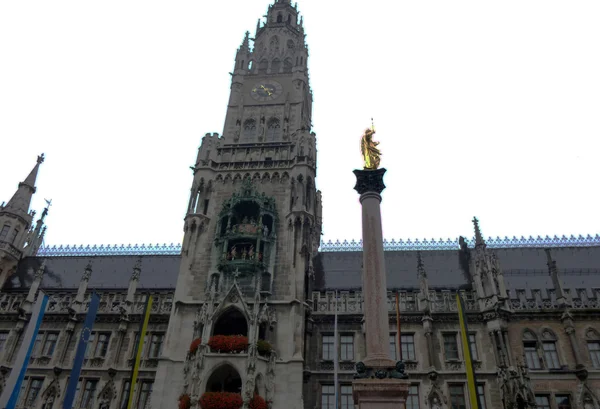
(435, 403)
(244, 254)
(233, 253)
(251, 253)
(260, 256)
(265, 231)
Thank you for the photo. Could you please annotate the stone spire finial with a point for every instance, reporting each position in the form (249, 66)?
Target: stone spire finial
(553, 272)
(137, 269)
(21, 200)
(88, 271)
(40, 271)
(478, 237)
(420, 267)
(550, 263)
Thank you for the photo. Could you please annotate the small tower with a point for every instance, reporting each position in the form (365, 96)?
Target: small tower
(15, 223)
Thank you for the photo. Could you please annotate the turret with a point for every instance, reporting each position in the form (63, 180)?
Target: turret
(15, 223)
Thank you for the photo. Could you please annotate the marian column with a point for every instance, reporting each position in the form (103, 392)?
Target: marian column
(380, 383)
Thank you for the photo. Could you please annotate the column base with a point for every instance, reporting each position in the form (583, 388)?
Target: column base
(380, 393)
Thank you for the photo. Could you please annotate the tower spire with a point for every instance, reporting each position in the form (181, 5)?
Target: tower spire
(21, 200)
(478, 237)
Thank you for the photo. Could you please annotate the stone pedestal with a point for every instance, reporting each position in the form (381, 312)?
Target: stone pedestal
(380, 383)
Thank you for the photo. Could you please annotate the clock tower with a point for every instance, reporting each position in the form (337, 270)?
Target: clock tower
(251, 231)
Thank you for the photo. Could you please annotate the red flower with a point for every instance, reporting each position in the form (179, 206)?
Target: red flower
(194, 345)
(228, 343)
(185, 402)
(258, 402)
(221, 400)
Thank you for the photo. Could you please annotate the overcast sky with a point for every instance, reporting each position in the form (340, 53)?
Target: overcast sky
(482, 108)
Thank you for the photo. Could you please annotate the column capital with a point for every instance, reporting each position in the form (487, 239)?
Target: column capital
(369, 181)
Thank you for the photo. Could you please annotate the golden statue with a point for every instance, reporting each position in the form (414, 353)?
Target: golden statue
(368, 149)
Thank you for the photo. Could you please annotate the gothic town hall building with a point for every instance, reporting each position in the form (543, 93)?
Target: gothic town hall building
(252, 265)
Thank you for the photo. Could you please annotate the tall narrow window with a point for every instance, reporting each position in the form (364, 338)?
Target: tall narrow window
(328, 342)
(412, 400)
(275, 66)
(102, 345)
(33, 390)
(156, 345)
(347, 348)
(3, 339)
(563, 402)
(4, 231)
(393, 346)
(550, 355)
(205, 206)
(37, 345)
(125, 395)
(327, 397)
(273, 129)
(473, 346)
(530, 348)
(249, 128)
(457, 397)
(542, 401)
(145, 393)
(89, 392)
(263, 66)
(287, 65)
(50, 343)
(594, 349)
(481, 396)
(346, 395)
(89, 348)
(450, 347)
(13, 235)
(408, 347)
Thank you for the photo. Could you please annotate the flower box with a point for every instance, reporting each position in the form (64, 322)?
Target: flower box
(221, 400)
(263, 347)
(228, 343)
(194, 345)
(185, 402)
(258, 402)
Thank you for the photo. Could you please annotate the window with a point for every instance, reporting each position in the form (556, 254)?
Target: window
(393, 346)
(347, 345)
(563, 401)
(3, 339)
(412, 400)
(13, 235)
(125, 395)
(542, 402)
(346, 395)
(328, 342)
(531, 354)
(75, 400)
(156, 345)
(594, 348)
(249, 128)
(102, 345)
(473, 346)
(145, 393)
(273, 129)
(408, 347)
(550, 355)
(90, 346)
(30, 389)
(481, 396)
(135, 341)
(327, 397)
(457, 397)
(450, 347)
(89, 392)
(4, 231)
(50, 343)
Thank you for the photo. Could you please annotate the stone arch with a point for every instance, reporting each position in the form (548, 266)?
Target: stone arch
(51, 394)
(266, 177)
(592, 334)
(219, 178)
(237, 178)
(249, 128)
(263, 66)
(107, 394)
(227, 178)
(231, 321)
(224, 378)
(247, 176)
(549, 335)
(273, 129)
(529, 335)
(260, 387)
(287, 65)
(275, 66)
(275, 177)
(256, 176)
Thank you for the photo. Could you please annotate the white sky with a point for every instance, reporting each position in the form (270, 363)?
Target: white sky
(482, 108)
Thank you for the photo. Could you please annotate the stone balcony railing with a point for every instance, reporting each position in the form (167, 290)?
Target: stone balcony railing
(545, 299)
(352, 302)
(110, 302)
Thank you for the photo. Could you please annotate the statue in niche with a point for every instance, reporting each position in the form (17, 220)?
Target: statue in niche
(435, 403)
(368, 148)
(251, 253)
(244, 254)
(233, 253)
(265, 231)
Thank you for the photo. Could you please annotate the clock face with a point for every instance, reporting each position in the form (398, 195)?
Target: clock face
(266, 90)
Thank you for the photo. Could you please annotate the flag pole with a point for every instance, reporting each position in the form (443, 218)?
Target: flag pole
(138, 349)
(470, 368)
(336, 352)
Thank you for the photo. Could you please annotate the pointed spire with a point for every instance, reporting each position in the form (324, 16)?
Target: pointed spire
(478, 237)
(246, 42)
(420, 267)
(553, 271)
(21, 200)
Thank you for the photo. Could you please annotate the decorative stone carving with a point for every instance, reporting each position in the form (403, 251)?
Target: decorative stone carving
(369, 181)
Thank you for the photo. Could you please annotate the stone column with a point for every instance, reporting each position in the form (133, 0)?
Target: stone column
(379, 383)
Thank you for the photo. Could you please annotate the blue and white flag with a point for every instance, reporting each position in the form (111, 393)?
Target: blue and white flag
(10, 396)
(80, 353)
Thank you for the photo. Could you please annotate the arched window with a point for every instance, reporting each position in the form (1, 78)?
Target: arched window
(275, 66)
(250, 66)
(273, 129)
(224, 379)
(279, 18)
(530, 348)
(249, 128)
(550, 351)
(231, 322)
(242, 66)
(289, 19)
(593, 342)
(4, 231)
(287, 65)
(263, 66)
